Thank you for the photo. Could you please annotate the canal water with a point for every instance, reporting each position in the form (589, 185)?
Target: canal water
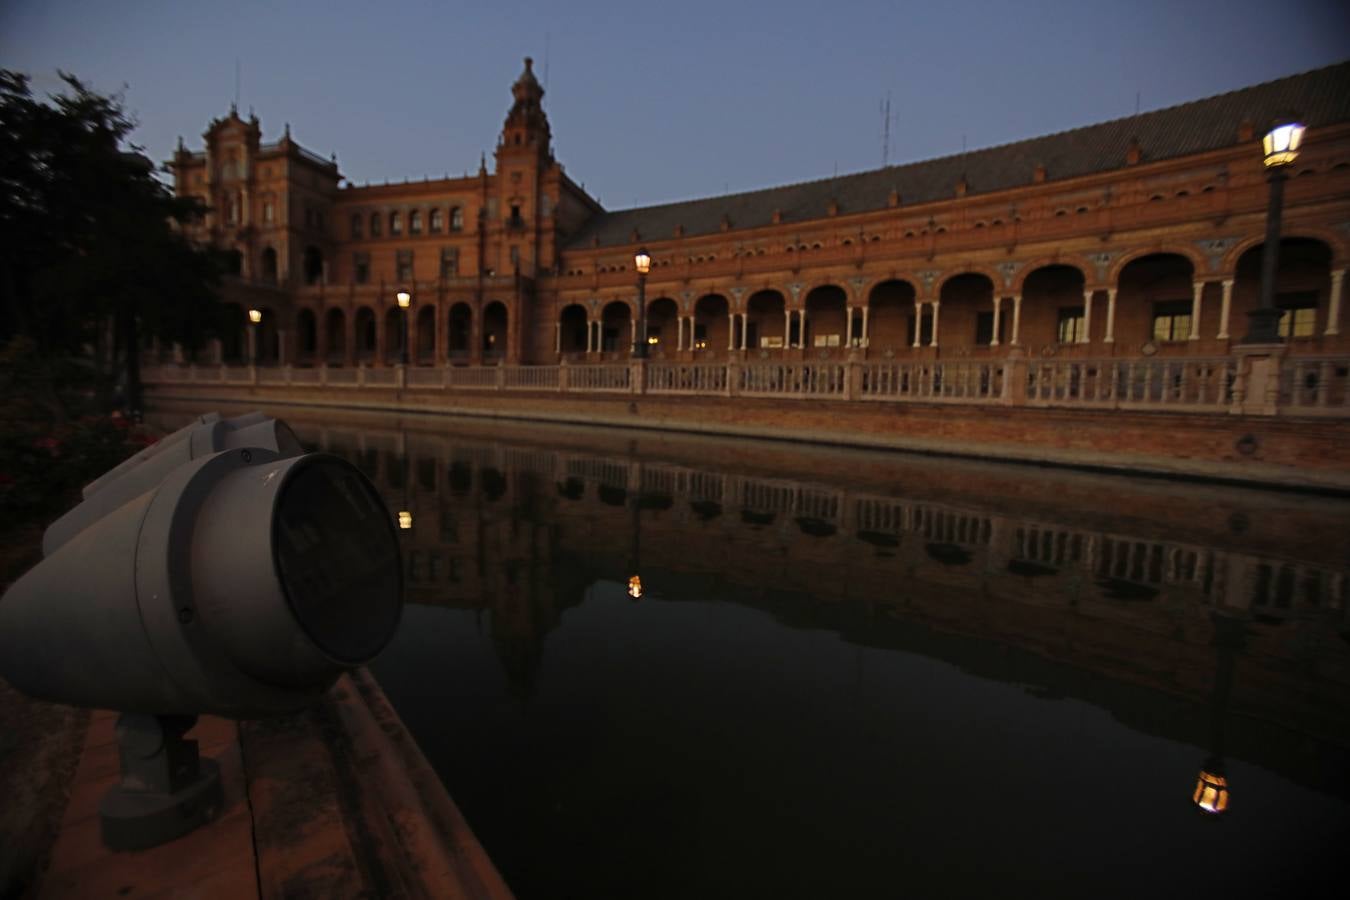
(859, 674)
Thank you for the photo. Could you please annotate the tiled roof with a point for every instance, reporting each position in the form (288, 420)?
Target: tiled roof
(1320, 97)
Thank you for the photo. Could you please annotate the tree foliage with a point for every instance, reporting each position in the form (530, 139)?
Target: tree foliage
(91, 242)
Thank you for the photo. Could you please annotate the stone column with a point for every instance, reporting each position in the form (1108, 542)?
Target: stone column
(1198, 294)
(848, 325)
(1086, 336)
(998, 308)
(1334, 306)
(731, 331)
(918, 323)
(1225, 308)
(801, 328)
(745, 329)
(937, 309)
(632, 329)
(557, 338)
(1017, 321)
(787, 328)
(865, 336)
(1110, 336)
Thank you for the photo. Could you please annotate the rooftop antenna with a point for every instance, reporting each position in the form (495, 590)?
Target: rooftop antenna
(886, 131)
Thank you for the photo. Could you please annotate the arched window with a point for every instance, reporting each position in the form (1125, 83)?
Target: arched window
(395, 223)
(375, 224)
(415, 222)
(356, 225)
(436, 221)
(456, 219)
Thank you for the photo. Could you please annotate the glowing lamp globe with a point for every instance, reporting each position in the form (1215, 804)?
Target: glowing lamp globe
(642, 260)
(1281, 144)
(255, 316)
(405, 519)
(1211, 790)
(404, 299)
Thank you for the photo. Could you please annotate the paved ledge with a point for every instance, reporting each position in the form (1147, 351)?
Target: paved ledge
(1308, 455)
(336, 801)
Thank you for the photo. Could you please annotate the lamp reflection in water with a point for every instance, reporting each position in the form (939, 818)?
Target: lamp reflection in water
(405, 516)
(635, 556)
(635, 587)
(405, 519)
(1211, 788)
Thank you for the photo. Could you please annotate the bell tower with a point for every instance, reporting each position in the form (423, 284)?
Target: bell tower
(524, 162)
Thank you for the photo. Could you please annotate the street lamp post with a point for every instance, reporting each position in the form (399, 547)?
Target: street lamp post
(642, 261)
(404, 301)
(254, 318)
(1281, 145)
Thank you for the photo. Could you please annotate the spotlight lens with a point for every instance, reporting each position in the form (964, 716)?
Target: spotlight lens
(338, 560)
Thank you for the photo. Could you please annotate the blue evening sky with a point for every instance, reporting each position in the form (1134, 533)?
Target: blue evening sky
(658, 102)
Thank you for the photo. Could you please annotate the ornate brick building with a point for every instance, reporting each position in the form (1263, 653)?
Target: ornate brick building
(1137, 236)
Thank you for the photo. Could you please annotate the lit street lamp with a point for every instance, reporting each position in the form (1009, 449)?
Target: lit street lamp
(1281, 145)
(642, 261)
(404, 301)
(254, 318)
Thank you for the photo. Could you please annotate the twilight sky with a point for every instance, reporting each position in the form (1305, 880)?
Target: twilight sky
(657, 102)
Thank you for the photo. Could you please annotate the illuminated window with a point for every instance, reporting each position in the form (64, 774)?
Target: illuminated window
(456, 219)
(404, 266)
(1300, 314)
(1070, 329)
(437, 221)
(449, 262)
(415, 222)
(395, 223)
(1172, 320)
(269, 212)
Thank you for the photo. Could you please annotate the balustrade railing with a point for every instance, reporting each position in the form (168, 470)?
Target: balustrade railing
(1311, 386)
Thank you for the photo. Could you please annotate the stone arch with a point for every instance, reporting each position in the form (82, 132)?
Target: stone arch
(711, 322)
(1155, 290)
(424, 345)
(267, 268)
(1338, 248)
(1193, 254)
(1084, 268)
(813, 286)
(826, 319)
(1052, 306)
(306, 335)
(662, 316)
(335, 336)
(573, 322)
(995, 279)
(890, 303)
(364, 334)
(496, 320)
(765, 319)
(233, 338)
(616, 319)
(1302, 286)
(966, 315)
(459, 330)
(394, 334)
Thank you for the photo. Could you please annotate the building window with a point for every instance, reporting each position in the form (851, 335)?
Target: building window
(1172, 320)
(405, 266)
(456, 219)
(449, 262)
(1299, 318)
(436, 221)
(376, 224)
(515, 258)
(356, 225)
(1070, 330)
(415, 222)
(269, 212)
(395, 223)
(361, 267)
(516, 220)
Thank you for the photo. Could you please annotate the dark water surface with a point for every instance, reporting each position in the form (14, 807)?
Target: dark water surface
(856, 674)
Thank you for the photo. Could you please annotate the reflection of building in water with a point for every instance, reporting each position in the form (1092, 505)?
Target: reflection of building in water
(523, 531)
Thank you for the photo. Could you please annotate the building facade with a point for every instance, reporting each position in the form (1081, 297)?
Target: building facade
(1137, 237)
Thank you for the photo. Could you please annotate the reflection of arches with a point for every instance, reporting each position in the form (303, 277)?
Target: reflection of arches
(306, 335)
(890, 314)
(460, 330)
(1302, 287)
(711, 323)
(662, 323)
(335, 328)
(572, 323)
(268, 269)
(363, 334)
(826, 317)
(394, 328)
(495, 320)
(426, 336)
(313, 265)
(615, 327)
